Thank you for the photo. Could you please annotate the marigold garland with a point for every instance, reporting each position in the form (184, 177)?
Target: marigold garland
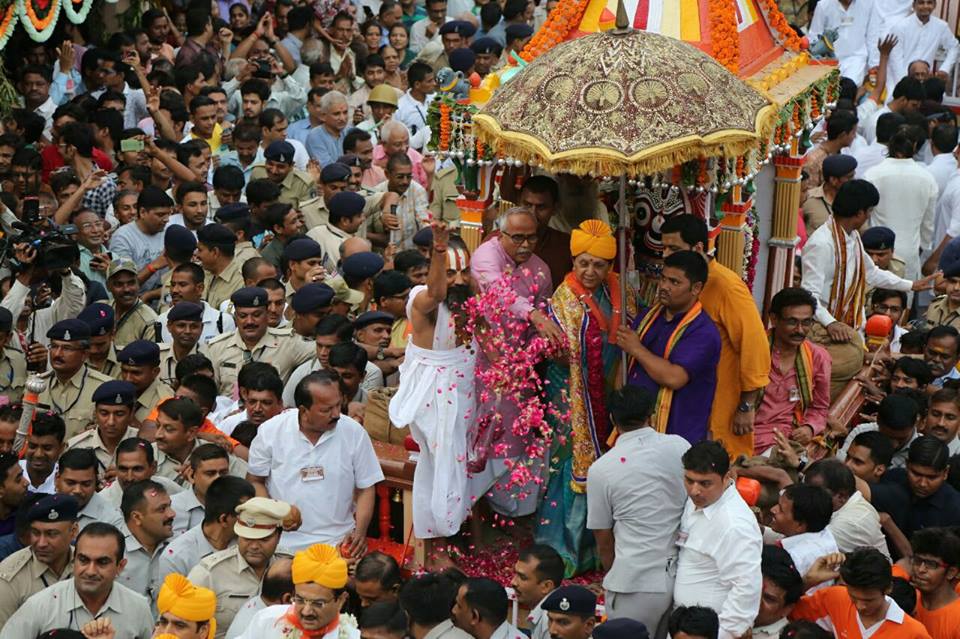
(445, 127)
(778, 22)
(562, 20)
(8, 24)
(39, 29)
(725, 39)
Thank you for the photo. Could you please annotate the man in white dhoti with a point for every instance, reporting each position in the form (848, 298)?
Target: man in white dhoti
(922, 36)
(436, 397)
(858, 25)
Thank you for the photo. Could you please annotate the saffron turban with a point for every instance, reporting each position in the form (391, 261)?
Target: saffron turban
(321, 564)
(181, 598)
(593, 237)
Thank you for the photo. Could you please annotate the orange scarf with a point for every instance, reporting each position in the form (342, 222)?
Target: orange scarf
(661, 412)
(846, 305)
(291, 618)
(586, 297)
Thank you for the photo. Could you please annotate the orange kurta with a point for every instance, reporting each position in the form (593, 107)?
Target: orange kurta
(834, 603)
(744, 352)
(943, 623)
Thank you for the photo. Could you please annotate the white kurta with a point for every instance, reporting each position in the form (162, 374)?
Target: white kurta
(947, 212)
(891, 11)
(919, 41)
(436, 399)
(858, 29)
(819, 268)
(908, 199)
(267, 624)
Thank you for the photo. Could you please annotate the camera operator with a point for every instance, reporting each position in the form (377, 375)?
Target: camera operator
(71, 301)
(286, 93)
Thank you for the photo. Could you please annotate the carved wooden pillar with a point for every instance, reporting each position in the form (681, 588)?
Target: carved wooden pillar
(783, 234)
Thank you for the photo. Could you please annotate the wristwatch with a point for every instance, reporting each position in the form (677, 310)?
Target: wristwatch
(744, 407)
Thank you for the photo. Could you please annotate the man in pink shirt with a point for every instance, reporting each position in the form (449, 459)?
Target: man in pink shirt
(395, 138)
(509, 255)
(797, 399)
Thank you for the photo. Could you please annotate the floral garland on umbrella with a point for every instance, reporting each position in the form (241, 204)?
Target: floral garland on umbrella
(8, 23)
(562, 20)
(39, 17)
(77, 12)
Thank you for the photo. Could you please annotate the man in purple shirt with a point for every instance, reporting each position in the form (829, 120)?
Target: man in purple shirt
(674, 349)
(510, 255)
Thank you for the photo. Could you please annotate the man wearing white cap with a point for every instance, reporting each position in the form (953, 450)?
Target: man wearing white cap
(235, 574)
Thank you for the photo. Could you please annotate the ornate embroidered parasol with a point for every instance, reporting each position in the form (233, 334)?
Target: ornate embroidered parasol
(623, 102)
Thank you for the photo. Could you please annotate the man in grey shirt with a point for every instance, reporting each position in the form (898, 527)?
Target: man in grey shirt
(635, 522)
(141, 239)
(91, 594)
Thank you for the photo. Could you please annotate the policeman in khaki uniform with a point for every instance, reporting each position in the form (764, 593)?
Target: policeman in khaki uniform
(114, 403)
(71, 384)
(878, 243)
(236, 217)
(13, 364)
(945, 310)
(172, 352)
(217, 252)
(140, 365)
(30, 570)
(254, 341)
(235, 574)
(102, 354)
(334, 178)
(295, 186)
(135, 320)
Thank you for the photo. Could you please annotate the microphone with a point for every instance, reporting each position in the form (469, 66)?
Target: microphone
(877, 331)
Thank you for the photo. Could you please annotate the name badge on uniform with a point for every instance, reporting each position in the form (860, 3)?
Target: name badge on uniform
(794, 395)
(681, 538)
(846, 21)
(311, 473)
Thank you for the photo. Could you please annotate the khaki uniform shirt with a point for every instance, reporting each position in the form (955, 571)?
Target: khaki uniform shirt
(165, 279)
(113, 492)
(297, 187)
(23, 575)
(243, 251)
(73, 399)
(315, 212)
(279, 346)
(219, 288)
(898, 267)
(816, 209)
(13, 373)
(169, 361)
(939, 314)
(99, 509)
(155, 393)
(91, 439)
(61, 607)
(110, 366)
(329, 237)
(169, 467)
(140, 322)
(443, 204)
(228, 574)
(186, 551)
(142, 572)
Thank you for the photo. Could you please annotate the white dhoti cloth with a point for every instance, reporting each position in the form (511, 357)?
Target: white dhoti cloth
(510, 501)
(436, 399)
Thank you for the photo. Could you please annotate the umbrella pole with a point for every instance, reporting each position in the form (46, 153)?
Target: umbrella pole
(623, 217)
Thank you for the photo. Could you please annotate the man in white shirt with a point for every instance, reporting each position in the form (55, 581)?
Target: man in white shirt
(187, 285)
(840, 316)
(802, 515)
(720, 543)
(412, 107)
(639, 556)
(854, 523)
(427, 30)
(921, 36)
(943, 145)
(537, 573)
(322, 460)
(907, 96)
(481, 608)
(896, 419)
(858, 26)
(908, 199)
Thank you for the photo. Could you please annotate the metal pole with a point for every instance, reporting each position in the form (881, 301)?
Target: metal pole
(624, 221)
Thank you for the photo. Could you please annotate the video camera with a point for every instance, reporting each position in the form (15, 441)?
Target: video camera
(56, 250)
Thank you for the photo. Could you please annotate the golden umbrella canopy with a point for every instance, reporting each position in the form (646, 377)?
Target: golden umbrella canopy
(623, 102)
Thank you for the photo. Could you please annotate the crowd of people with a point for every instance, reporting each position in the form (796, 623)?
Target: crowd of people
(233, 277)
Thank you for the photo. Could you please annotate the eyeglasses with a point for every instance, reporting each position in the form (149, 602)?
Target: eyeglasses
(313, 603)
(929, 564)
(793, 322)
(883, 308)
(518, 238)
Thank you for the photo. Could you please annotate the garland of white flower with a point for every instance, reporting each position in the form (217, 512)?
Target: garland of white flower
(39, 35)
(77, 16)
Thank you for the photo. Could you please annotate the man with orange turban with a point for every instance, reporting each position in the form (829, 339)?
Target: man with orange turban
(186, 611)
(319, 581)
